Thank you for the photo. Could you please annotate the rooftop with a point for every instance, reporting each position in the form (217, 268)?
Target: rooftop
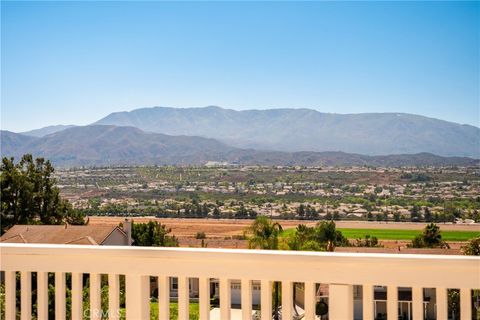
(94, 234)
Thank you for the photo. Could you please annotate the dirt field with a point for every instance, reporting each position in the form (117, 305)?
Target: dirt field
(219, 232)
(229, 227)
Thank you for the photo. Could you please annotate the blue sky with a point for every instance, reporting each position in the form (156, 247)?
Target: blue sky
(75, 62)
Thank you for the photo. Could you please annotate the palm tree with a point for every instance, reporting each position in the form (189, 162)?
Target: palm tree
(264, 235)
(431, 234)
(430, 238)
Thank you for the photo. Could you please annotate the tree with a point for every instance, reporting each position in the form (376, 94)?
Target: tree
(472, 248)
(476, 215)
(336, 215)
(263, 234)
(454, 302)
(303, 239)
(414, 213)
(326, 232)
(76, 217)
(311, 213)
(152, 234)
(216, 213)
(242, 212)
(396, 216)
(204, 210)
(301, 211)
(378, 189)
(427, 215)
(30, 195)
(369, 216)
(430, 238)
(322, 237)
(252, 213)
(200, 235)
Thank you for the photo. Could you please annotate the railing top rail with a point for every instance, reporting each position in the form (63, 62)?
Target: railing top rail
(297, 266)
(180, 250)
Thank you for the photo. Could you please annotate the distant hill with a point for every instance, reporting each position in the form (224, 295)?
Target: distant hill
(108, 145)
(46, 130)
(295, 130)
(12, 143)
(112, 145)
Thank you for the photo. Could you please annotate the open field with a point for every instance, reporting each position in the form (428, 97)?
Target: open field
(397, 234)
(221, 228)
(389, 234)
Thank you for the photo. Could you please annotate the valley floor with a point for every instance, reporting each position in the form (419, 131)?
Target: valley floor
(226, 233)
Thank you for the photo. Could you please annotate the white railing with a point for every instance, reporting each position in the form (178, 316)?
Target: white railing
(340, 270)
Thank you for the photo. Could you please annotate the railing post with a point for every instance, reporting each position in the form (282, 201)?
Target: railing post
(26, 295)
(266, 299)
(183, 298)
(113, 296)
(340, 301)
(60, 292)
(163, 297)
(10, 293)
(95, 296)
(225, 299)
(287, 300)
(310, 300)
(442, 303)
(42, 295)
(392, 303)
(417, 303)
(368, 302)
(77, 296)
(246, 287)
(465, 304)
(204, 298)
(137, 302)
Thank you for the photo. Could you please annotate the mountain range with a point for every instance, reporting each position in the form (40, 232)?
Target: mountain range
(162, 135)
(295, 130)
(103, 145)
(46, 130)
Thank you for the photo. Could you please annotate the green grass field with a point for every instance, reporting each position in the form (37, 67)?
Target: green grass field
(389, 234)
(194, 311)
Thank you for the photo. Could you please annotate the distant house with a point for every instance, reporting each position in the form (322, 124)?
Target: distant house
(96, 234)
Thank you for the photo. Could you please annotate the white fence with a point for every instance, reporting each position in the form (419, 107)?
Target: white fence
(339, 270)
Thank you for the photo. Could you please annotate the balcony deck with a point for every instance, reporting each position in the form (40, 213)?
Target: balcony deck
(341, 271)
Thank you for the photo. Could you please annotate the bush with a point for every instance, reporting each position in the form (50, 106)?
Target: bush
(472, 248)
(367, 242)
(239, 237)
(200, 235)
